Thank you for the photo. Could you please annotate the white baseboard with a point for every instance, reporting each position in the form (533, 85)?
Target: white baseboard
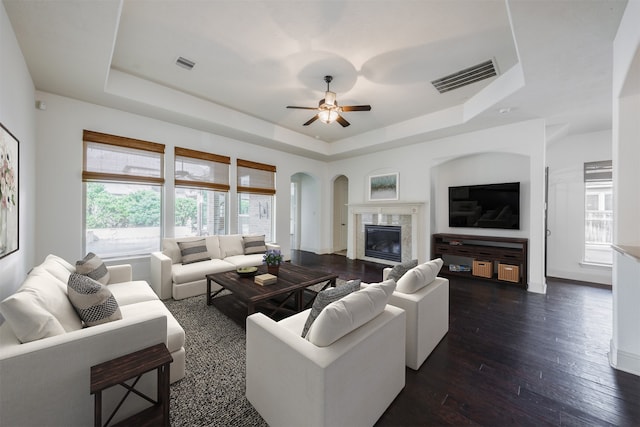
(623, 360)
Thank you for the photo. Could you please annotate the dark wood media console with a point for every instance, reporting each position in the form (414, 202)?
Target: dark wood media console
(498, 259)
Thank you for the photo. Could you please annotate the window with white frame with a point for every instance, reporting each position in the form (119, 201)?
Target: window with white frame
(598, 185)
(201, 193)
(256, 186)
(123, 179)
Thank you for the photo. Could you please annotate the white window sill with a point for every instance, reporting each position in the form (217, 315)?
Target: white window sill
(595, 265)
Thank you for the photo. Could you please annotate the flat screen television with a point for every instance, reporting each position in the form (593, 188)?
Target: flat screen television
(485, 206)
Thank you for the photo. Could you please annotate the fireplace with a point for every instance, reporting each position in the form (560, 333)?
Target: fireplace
(383, 241)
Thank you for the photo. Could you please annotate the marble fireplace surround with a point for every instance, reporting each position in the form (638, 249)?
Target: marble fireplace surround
(405, 215)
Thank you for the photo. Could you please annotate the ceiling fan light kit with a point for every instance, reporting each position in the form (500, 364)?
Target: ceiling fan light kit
(328, 109)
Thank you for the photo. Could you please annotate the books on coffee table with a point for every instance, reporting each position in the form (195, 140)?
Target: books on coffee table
(265, 279)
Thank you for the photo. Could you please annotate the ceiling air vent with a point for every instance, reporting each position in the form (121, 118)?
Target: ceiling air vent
(185, 63)
(465, 77)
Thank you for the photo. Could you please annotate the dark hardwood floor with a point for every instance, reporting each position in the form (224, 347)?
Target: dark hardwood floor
(511, 357)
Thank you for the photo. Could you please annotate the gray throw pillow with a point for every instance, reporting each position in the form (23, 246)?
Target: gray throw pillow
(194, 251)
(254, 245)
(326, 297)
(92, 266)
(93, 301)
(399, 270)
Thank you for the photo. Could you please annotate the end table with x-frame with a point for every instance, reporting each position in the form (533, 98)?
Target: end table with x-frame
(293, 281)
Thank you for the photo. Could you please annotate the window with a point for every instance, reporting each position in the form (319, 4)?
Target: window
(202, 188)
(123, 179)
(256, 190)
(598, 184)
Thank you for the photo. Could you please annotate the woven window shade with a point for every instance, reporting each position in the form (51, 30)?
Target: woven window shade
(258, 178)
(115, 158)
(598, 171)
(202, 170)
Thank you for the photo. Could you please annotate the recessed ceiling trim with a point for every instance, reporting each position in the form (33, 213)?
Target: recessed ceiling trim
(465, 77)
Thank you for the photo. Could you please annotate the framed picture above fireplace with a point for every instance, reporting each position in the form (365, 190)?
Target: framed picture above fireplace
(383, 187)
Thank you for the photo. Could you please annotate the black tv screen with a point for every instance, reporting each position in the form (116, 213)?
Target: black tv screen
(485, 206)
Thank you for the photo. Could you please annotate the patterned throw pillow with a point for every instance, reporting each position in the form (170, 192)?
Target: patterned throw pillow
(254, 245)
(194, 251)
(326, 297)
(399, 270)
(93, 267)
(94, 302)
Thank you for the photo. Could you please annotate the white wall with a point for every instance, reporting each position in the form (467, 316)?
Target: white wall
(59, 164)
(523, 142)
(17, 113)
(565, 250)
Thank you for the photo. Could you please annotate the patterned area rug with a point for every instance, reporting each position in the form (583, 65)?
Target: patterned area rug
(212, 393)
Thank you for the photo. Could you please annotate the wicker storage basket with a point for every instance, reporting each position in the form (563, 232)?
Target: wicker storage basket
(482, 268)
(509, 273)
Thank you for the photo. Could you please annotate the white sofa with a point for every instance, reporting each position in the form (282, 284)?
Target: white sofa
(170, 278)
(427, 312)
(46, 381)
(291, 381)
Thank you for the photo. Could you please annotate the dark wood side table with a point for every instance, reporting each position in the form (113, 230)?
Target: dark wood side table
(134, 365)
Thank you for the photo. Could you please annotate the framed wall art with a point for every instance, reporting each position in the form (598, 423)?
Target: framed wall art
(383, 187)
(9, 186)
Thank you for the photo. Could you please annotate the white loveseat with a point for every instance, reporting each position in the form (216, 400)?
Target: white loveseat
(170, 278)
(46, 381)
(346, 373)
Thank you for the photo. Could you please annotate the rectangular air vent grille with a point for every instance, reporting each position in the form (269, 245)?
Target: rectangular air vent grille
(185, 63)
(465, 77)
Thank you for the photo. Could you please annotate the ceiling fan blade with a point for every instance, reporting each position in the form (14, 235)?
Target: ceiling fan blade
(302, 108)
(342, 121)
(356, 108)
(311, 120)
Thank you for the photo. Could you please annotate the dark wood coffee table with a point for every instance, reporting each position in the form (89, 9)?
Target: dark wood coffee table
(292, 282)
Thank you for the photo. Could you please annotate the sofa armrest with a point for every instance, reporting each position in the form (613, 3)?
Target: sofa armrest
(46, 382)
(385, 273)
(160, 278)
(120, 273)
(272, 246)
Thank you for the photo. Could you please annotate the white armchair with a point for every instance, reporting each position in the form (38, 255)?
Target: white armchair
(427, 318)
(351, 382)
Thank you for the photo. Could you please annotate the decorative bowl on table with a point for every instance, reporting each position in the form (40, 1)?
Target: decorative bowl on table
(247, 271)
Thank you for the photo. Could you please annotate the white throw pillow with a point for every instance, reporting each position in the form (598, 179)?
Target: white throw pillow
(349, 313)
(419, 277)
(231, 244)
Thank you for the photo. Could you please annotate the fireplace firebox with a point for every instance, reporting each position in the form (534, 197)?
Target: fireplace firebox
(383, 242)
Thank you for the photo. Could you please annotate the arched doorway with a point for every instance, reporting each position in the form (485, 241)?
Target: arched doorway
(340, 214)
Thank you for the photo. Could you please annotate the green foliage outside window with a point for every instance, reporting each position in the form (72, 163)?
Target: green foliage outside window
(140, 208)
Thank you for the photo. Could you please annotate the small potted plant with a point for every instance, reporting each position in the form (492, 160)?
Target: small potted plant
(272, 258)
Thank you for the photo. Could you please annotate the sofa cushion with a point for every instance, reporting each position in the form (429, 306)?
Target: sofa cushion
(40, 308)
(93, 301)
(132, 292)
(350, 312)
(28, 319)
(175, 333)
(92, 266)
(171, 249)
(59, 267)
(419, 277)
(326, 297)
(399, 270)
(231, 244)
(194, 251)
(245, 260)
(254, 244)
(186, 273)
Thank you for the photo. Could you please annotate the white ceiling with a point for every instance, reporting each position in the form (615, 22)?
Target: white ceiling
(253, 58)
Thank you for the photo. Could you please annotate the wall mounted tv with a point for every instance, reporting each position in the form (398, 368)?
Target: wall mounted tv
(485, 206)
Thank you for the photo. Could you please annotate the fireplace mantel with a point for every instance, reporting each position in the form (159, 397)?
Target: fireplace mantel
(392, 208)
(414, 220)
